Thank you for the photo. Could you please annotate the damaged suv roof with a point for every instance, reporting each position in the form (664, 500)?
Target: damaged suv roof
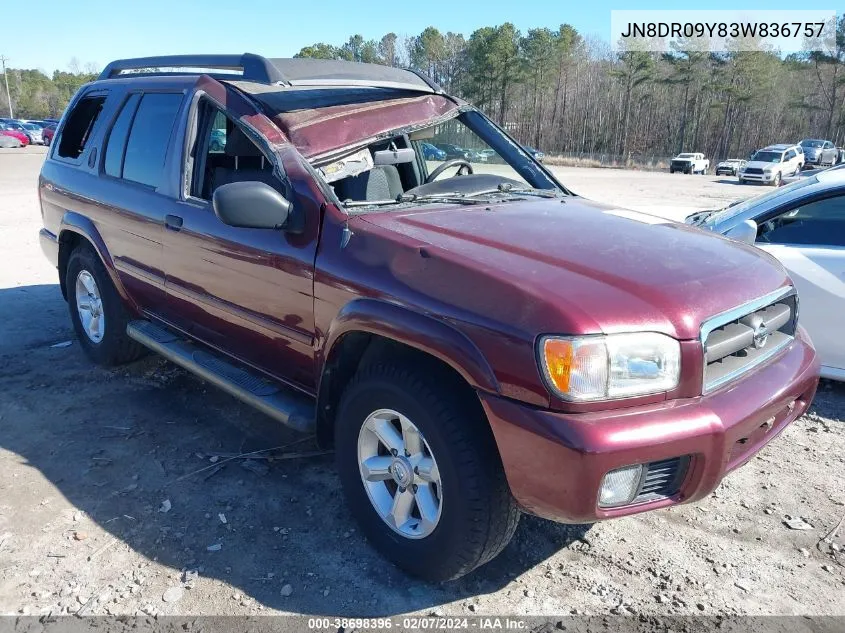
(322, 106)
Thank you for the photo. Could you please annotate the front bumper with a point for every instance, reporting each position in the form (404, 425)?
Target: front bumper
(764, 178)
(555, 461)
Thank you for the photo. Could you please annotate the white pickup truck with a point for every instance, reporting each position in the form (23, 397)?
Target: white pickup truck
(689, 163)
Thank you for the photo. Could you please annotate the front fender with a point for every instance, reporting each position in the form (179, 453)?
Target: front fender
(74, 225)
(414, 329)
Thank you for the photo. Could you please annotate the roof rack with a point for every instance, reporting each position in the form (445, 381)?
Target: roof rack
(252, 67)
(284, 71)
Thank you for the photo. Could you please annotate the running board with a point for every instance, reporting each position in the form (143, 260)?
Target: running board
(279, 402)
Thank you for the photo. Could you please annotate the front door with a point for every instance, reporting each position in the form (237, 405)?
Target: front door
(247, 292)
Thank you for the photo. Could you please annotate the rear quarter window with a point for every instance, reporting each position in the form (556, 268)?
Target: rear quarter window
(79, 125)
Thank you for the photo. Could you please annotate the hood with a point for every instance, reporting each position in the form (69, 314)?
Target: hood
(570, 266)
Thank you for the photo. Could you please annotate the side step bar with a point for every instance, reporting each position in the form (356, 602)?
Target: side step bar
(279, 402)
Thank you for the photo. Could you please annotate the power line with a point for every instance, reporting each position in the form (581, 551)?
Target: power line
(3, 61)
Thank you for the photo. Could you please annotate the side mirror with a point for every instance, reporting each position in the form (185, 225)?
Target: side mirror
(745, 231)
(251, 205)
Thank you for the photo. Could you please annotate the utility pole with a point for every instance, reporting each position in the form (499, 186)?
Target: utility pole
(6, 79)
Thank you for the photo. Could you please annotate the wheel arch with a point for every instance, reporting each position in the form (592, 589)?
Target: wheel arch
(76, 229)
(367, 330)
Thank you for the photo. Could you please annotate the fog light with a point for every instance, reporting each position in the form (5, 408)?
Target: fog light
(620, 486)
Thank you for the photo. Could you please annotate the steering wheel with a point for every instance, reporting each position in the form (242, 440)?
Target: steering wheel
(450, 163)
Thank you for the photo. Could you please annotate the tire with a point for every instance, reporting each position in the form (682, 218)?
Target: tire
(112, 346)
(778, 178)
(671, 171)
(477, 515)
(741, 181)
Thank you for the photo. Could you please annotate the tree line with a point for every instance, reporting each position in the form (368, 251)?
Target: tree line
(564, 92)
(38, 96)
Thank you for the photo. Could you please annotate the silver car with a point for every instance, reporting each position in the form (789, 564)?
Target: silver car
(819, 152)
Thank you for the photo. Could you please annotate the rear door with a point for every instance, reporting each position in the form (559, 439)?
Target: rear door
(247, 292)
(809, 239)
(134, 187)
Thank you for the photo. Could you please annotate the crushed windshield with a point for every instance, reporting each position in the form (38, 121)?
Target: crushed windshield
(464, 159)
(732, 211)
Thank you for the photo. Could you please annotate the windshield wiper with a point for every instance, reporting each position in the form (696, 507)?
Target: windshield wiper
(455, 196)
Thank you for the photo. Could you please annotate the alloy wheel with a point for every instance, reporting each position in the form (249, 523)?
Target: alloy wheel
(400, 474)
(89, 305)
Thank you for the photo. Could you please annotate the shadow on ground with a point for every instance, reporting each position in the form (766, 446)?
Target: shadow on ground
(116, 443)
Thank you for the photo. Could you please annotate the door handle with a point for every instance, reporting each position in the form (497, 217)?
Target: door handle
(173, 222)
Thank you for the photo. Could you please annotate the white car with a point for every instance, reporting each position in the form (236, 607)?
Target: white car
(689, 163)
(803, 225)
(772, 164)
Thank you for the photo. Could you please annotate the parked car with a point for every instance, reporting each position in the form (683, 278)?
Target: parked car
(689, 163)
(730, 167)
(803, 225)
(47, 134)
(819, 152)
(469, 346)
(32, 131)
(7, 130)
(454, 151)
(771, 164)
(9, 141)
(430, 152)
(537, 154)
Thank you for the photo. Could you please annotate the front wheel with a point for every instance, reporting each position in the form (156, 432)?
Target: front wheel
(421, 473)
(777, 180)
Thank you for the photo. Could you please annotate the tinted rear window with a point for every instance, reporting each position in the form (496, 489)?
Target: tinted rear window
(117, 137)
(147, 145)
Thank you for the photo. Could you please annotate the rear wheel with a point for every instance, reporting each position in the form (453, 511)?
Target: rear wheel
(421, 473)
(97, 311)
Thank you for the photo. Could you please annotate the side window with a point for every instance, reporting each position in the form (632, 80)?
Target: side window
(117, 137)
(789, 155)
(146, 148)
(227, 154)
(828, 145)
(77, 129)
(820, 222)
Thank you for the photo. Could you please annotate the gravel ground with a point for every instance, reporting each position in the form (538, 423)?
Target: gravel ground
(98, 513)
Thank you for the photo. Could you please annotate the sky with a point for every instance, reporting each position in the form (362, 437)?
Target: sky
(98, 31)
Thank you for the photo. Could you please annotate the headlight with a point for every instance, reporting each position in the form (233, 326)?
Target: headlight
(604, 367)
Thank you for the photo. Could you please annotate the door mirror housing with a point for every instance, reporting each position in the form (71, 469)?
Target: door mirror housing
(251, 205)
(745, 231)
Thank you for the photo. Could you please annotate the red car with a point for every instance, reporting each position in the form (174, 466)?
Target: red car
(47, 134)
(472, 342)
(23, 138)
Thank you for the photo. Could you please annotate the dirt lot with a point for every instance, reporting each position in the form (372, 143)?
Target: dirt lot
(98, 516)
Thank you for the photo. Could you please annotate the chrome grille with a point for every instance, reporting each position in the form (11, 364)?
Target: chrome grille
(662, 479)
(743, 338)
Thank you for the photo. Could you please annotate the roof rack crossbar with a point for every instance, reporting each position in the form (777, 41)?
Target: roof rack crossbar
(254, 67)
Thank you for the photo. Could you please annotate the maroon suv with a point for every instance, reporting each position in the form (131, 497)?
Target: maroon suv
(471, 338)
